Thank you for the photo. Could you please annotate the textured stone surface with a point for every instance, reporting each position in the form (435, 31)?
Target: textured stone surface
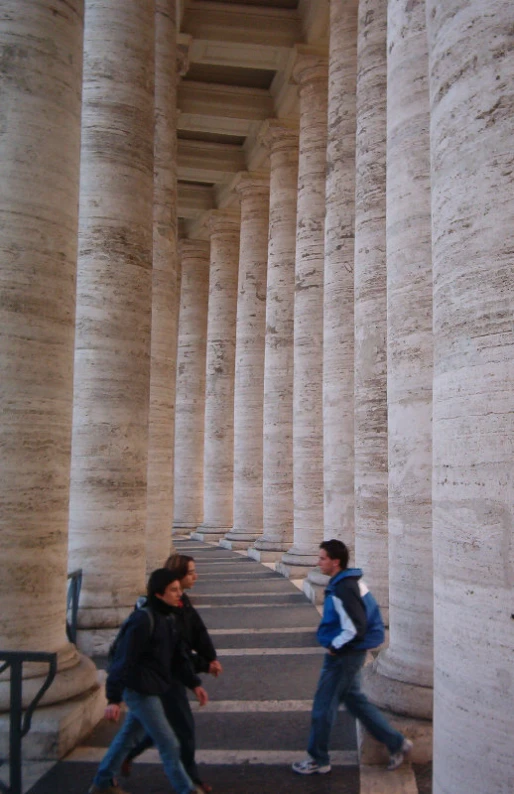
(40, 101)
(190, 390)
(409, 658)
(370, 302)
(112, 343)
(338, 317)
(472, 159)
(253, 189)
(161, 421)
(219, 386)
(311, 75)
(282, 142)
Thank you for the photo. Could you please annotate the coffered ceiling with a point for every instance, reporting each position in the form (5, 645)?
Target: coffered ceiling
(238, 59)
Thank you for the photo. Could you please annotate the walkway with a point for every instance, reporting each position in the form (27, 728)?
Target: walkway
(257, 721)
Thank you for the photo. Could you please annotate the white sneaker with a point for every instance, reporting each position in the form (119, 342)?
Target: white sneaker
(310, 767)
(397, 759)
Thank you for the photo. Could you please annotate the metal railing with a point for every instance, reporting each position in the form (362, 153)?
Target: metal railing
(19, 723)
(72, 604)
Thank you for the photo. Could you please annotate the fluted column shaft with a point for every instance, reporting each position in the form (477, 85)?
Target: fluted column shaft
(404, 671)
(253, 190)
(311, 74)
(371, 549)
(282, 141)
(190, 407)
(338, 331)
(219, 387)
(161, 421)
(112, 346)
(472, 166)
(39, 179)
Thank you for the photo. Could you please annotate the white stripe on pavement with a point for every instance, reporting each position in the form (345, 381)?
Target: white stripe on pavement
(218, 757)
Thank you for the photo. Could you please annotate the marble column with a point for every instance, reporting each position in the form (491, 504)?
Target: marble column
(190, 390)
(338, 318)
(218, 463)
(161, 421)
(401, 678)
(253, 190)
(370, 307)
(40, 101)
(281, 139)
(311, 74)
(114, 303)
(472, 166)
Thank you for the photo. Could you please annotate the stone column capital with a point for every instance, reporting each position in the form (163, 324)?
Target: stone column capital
(189, 247)
(279, 134)
(222, 221)
(251, 182)
(311, 65)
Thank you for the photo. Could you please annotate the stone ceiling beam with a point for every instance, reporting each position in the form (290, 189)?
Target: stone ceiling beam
(207, 99)
(208, 162)
(194, 200)
(277, 27)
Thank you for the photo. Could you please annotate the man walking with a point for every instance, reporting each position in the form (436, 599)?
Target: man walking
(351, 624)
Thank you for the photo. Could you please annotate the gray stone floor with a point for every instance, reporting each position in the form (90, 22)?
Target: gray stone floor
(257, 721)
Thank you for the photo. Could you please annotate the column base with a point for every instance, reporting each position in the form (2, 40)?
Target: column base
(398, 697)
(419, 732)
(58, 728)
(238, 540)
(264, 555)
(96, 642)
(297, 563)
(207, 533)
(314, 586)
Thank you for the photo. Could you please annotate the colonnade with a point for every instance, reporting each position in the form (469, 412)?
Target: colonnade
(344, 350)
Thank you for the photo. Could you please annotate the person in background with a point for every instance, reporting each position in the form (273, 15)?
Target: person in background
(203, 658)
(140, 674)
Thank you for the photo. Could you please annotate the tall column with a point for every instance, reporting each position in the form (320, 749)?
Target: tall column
(371, 549)
(161, 421)
(253, 189)
(189, 418)
(114, 292)
(311, 74)
(401, 678)
(338, 318)
(472, 162)
(282, 140)
(218, 477)
(39, 178)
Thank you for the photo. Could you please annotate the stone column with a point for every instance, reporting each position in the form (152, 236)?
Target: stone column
(311, 74)
(218, 478)
(253, 189)
(189, 420)
(282, 140)
(40, 95)
(338, 318)
(114, 303)
(472, 162)
(371, 550)
(161, 424)
(401, 678)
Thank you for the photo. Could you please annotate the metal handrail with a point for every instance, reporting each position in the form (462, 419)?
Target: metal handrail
(19, 724)
(72, 602)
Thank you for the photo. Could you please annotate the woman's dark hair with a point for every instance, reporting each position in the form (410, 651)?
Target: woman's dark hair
(179, 564)
(336, 550)
(159, 580)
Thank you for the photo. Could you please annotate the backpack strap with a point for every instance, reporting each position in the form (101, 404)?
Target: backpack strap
(151, 618)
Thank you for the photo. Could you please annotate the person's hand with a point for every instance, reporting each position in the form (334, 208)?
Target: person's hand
(215, 668)
(201, 695)
(112, 712)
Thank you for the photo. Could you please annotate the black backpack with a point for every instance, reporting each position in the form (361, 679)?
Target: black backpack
(113, 648)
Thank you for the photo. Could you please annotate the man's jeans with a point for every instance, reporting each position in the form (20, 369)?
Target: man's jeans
(146, 715)
(339, 682)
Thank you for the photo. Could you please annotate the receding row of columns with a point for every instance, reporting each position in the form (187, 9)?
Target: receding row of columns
(345, 352)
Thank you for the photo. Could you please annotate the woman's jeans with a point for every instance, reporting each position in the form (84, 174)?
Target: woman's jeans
(178, 712)
(339, 682)
(146, 715)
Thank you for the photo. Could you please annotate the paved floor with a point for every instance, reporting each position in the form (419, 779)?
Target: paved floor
(257, 721)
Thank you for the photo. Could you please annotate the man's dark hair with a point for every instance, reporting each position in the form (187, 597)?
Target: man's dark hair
(179, 563)
(159, 580)
(336, 550)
